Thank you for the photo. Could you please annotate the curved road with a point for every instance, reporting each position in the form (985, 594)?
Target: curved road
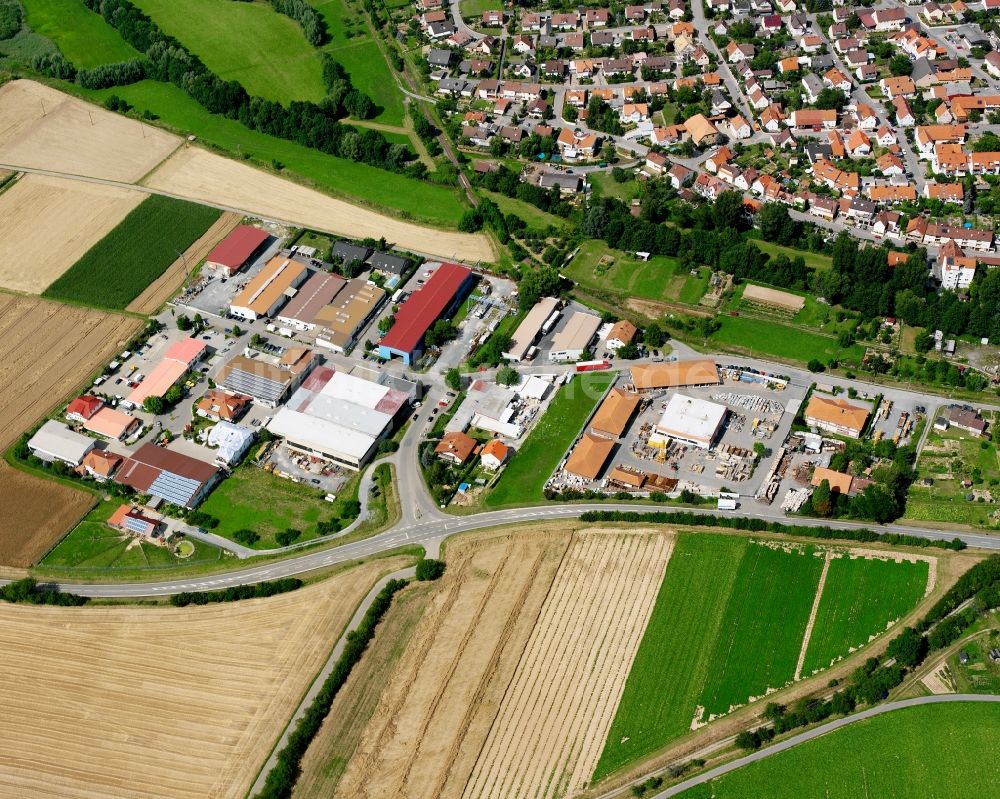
(817, 732)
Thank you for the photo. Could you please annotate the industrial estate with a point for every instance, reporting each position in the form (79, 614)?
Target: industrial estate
(481, 399)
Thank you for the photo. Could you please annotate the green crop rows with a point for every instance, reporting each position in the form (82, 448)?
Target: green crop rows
(136, 252)
(860, 598)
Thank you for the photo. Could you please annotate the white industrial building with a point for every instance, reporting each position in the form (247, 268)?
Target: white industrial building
(536, 323)
(689, 420)
(575, 338)
(56, 442)
(231, 441)
(338, 416)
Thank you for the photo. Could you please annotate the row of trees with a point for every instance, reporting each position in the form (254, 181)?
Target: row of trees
(120, 73)
(28, 591)
(309, 20)
(237, 592)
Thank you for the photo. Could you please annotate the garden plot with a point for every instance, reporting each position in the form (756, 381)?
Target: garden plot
(49, 223)
(42, 128)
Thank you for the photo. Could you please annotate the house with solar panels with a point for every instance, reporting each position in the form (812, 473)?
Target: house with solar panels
(131, 519)
(168, 476)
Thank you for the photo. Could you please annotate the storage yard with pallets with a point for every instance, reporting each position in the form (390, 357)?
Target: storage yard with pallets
(157, 701)
(49, 350)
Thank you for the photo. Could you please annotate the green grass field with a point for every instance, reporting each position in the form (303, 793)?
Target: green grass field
(413, 199)
(81, 35)
(932, 751)
(535, 217)
(625, 275)
(523, 479)
(768, 337)
(472, 10)
(352, 45)
(94, 545)
(814, 260)
(859, 599)
(673, 660)
(247, 42)
(134, 253)
(694, 287)
(252, 499)
(603, 185)
(729, 623)
(763, 627)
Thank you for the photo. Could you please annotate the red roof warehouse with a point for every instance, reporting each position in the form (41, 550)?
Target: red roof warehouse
(232, 253)
(439, 296)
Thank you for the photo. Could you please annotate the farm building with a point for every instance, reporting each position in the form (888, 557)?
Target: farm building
(575, 338)
(338, 416)
(236, 250)
(231, 442)
(615, 413)
(56, 442)
(543, 314)
(341, 321)
(176, 362)
(589, 456)
(316, 293)
(455, 447)
(222, 407)
(438, 297)
(131, 519)
(112, 424)
(836, 416)
(838, 481)
(167, 475)
(677, 374)
(772, 298)
(268, 381)
(269, 289)
(690, 420)
(966, 418)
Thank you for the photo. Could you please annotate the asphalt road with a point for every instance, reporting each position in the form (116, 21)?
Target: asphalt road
(817, 732)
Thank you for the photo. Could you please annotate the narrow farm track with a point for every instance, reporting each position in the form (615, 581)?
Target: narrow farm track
(812, 616)
(546, 737)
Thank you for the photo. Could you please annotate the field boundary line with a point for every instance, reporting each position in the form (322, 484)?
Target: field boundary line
(814, 611)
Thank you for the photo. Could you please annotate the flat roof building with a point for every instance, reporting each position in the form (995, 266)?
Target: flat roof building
(269, 289)
(56, 442)
(338, 416)
(836, 416)
(531, 328)
(171, 476)
(342, 321)
(576, 336)
(589, 456)
(316, 293)
(615, 413)
(231, 441)
(690, 420)
(268, 381)
(234, 252)
(439, 296)
(676, 374)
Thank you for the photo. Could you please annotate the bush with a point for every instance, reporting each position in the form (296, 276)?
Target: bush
(10, 20)
(429, 569)
(237, 593)
(286, 537)
(29, 592)
(246, 537)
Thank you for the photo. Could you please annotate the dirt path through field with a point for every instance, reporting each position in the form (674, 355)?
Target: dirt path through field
(166, 285)
(196, 174)
(556, 713)
(158, 701)
(436, 711)
(812, 615)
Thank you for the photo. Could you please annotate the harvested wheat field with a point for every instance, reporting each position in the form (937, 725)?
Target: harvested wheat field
(47, 350)
(69, 216)
(514, 672)
(196, 174)
(167, 284)
(161, 702)
(42, 128)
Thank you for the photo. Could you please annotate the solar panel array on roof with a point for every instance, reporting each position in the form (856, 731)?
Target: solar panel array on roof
(136, 525)
(173, 488)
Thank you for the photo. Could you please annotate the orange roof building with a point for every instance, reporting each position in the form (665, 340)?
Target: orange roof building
(589, 456)
(615, 413)
(838, 481)
(836, 416)
(455, 447)
(111, 423)
(655, 376)
(494, 454)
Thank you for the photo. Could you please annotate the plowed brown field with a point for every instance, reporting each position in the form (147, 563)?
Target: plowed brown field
(43, 128)
(49, 223)
(161, 702)
(511, 680)
(46, 350)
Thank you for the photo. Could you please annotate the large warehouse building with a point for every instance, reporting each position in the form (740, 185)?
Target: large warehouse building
(540, 318)
(339, 417)
(177, 361)
(343, 320)
(446, 288)
(171, 476)
(269, 289)
(316, 293)
(236, 250)
(268, 380)
(691, 421)
(589, 456)
(575, 338)
(615, 413)
(836, 416)
(676, 374)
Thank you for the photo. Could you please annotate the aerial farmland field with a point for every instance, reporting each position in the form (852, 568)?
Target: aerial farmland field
(74, 216)
(933, 751)
(136, 252)
(159, 701)
(81, 35)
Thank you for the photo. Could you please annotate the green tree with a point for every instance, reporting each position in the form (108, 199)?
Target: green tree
(453, 379)
(815, 365)
(154, 405)
(822, 501)
(183, 323)
(900, 65)
(909, 648)
(429, 569)
(507, 376)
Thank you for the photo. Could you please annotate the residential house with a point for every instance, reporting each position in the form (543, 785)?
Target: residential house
(455, 447)
(494, 455)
